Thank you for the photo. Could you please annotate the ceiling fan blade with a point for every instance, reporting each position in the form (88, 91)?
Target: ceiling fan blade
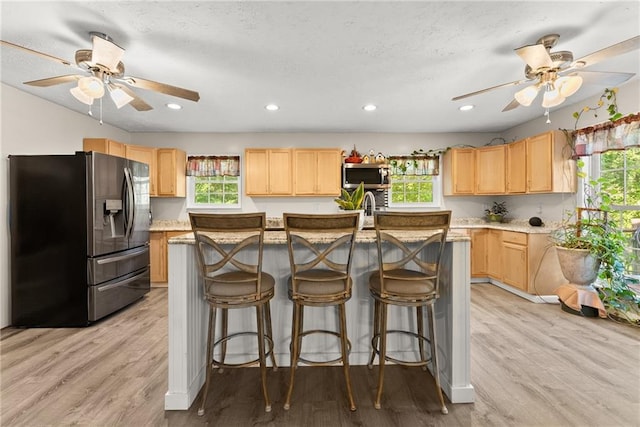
(106, 53)
(510, 106)
(605, 78)
(608, 52)
(515, 83)
(35, 52)
(137, 102)
(536, 56)
(51, 81)
(162, 88)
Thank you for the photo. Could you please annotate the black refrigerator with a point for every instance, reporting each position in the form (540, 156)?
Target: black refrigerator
(79, 228)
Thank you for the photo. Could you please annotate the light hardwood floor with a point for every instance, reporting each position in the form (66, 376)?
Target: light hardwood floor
(532, 365)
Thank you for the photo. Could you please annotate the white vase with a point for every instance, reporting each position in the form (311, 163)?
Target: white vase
(578, 266)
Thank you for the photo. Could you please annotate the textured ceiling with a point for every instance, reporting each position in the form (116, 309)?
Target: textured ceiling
(320, 61)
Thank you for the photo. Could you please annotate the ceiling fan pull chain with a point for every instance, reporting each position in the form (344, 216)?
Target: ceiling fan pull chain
(100, 111)
(546, 113)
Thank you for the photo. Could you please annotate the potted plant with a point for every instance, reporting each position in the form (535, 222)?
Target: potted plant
(497, 212)
(353, 201)
(590, 247)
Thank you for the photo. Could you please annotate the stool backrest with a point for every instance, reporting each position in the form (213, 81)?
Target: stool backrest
(413, 241)
(229, 248)
(321, 242)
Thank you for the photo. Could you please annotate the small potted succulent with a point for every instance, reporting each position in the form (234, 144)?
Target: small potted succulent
(353, 202)
(497, 212)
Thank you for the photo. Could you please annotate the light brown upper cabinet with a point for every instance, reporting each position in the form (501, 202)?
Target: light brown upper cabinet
(146, 155)
(103, 145)
(549, 165)
(268, 172)
(516, 167)
(171, 176)
(459, 167)
(490, 170)
(317, 172)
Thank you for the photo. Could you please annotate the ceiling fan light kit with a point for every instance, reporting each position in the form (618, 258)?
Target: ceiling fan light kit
(105, 72)
(550, 70)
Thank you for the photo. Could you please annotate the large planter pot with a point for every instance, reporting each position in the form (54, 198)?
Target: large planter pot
(578, 266)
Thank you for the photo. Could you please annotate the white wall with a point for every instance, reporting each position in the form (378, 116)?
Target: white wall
(30, 125)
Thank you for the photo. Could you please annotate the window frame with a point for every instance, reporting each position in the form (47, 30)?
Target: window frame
(191, 205)
(436, 181)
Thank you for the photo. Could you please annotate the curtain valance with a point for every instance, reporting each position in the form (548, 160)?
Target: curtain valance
(618, 135)
(414, 165)
(213, 165)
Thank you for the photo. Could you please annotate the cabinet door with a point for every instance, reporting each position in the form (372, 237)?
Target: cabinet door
(490, 170)
(329, 164)
(103, 145)
(158, 256)
(539, 163)
(494, 254)
(460, 166)
(171, 181)
(317, 172)
(306, 172)
(516, 167)
(280, 172)
(145, 155)
(515, 271)
(479, 253)
(256, 172)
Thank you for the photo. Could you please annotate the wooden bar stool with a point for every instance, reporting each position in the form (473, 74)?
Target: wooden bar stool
(408, 275)
(320, 276)
(229, 248)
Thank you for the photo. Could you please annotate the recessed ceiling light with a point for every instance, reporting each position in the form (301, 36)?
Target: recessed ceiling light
(466, 107)
(272, 107)
(174, 106)
(369, 107)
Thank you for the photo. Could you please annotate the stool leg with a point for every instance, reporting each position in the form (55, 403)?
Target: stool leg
(434, 357)
(210, 338)
(382, 352)
(344, 340)
(295, 351)
(376, 332)
(262, 357)
(420, 320)
(223, 345)
(267, 313)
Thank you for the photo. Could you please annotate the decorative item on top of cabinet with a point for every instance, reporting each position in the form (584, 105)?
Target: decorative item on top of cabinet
(104, 145)
(459, 168)
(171, 180)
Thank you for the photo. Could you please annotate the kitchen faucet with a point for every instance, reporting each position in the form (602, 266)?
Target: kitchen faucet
(368, 196)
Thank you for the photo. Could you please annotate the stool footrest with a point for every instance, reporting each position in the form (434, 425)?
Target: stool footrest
(217, 364)
(376, 339)
(322, 363)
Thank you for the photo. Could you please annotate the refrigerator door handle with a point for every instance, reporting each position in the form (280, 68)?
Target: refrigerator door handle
(125, 282)
(122, 257)
(130, 202)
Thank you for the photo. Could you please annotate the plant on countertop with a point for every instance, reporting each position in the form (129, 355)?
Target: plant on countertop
(600, 235)
(497, 212)
(351, 201)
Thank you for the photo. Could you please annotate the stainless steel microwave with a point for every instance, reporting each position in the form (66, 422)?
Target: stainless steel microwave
(374, 175)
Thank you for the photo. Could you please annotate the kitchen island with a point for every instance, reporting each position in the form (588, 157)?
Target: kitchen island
(188, 313)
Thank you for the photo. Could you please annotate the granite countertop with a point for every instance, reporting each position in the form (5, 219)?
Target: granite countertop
(280, 238)
(275, 223)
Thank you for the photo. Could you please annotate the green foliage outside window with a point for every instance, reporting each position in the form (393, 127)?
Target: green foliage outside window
(411, 189)
(219, 190)
(620, 179)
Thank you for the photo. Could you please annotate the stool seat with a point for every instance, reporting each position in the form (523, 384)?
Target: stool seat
(239, 284)
(405, 283)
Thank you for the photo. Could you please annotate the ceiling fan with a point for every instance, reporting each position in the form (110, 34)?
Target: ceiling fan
(557, 74)
(103, 71)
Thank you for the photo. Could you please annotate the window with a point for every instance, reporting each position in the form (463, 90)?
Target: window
(213, 182)
(618, 172)
(414, 182)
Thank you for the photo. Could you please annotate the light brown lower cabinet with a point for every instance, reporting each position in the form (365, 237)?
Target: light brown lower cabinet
(526, 261)
(159, 254)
